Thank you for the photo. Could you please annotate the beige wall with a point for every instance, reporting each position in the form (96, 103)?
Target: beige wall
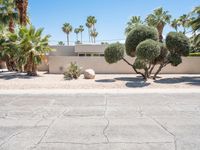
(58, 64)
(63, 51)
(84, 48)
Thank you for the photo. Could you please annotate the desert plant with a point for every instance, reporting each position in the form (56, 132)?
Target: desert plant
(143, 43)
(73, 72)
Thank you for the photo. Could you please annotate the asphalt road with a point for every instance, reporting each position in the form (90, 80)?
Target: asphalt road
(162, 121)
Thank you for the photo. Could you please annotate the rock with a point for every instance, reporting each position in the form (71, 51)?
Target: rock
(89, 74)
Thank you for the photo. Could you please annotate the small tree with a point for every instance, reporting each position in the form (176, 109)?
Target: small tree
(142, 43)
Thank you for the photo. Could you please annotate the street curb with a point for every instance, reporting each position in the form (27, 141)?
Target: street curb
(97, 91)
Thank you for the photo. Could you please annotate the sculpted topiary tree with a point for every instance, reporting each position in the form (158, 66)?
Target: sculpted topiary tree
(143, 43)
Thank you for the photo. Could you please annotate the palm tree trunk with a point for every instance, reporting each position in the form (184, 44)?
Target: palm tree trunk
(68, 39)
(34, 69)
(160, 28)
(81, 38)
(11, 25)
(89, 34)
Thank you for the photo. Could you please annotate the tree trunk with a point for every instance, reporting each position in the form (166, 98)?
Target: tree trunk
(81, 38)
(34, 69)
(68, 39)
(22, 9)
(160, 28)
(11, 25)
(29, 65)
(89, 35)
(158, 71)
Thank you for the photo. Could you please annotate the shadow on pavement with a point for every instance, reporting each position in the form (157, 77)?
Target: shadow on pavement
(106, 80)
(134, 82)
(14, 75)
(195, 80)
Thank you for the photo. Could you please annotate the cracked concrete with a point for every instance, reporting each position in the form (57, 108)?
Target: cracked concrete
(153, 121)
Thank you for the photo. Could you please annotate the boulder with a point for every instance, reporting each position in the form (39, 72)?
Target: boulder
(89, 74)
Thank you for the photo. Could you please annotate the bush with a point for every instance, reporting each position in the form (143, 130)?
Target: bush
(73, 72)
(175, 59)
(137, 35)
(139, 64)
(194, 54)
(114, 52)
(148, 50)
(164, 52)
(178, 43)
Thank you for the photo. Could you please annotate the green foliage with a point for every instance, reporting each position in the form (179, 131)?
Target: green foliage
(164, 52)
(195, 54)
(26, 47)
(175, 59)
(148, 50)
(139, 64)
(114, 52)
(137, 35)
(73, 72)
(134, 22)
(178, 43)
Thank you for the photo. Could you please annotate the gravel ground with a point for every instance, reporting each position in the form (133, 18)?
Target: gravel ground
(102, 81)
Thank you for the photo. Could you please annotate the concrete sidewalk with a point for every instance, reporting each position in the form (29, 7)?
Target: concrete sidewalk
(115, 120)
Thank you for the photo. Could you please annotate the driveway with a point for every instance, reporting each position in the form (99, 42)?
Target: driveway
(89, 121)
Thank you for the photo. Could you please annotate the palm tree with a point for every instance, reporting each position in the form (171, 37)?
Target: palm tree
(8, 14)
(81, 29)
(175, 24)
(91, 21)
(184, 21)
(61, 43)
(30, 48)
(159, 18)
(89, 26)
(94, 34)
(76, 31)
(195, 23)
(67, 28)
(134, 21)
(22, 6)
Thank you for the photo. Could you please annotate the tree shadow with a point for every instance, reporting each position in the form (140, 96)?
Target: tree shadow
(192, 80)
(106, 80)
(15, 75)
(134, 82)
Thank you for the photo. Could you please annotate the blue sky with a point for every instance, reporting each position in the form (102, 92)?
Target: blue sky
(112, 15)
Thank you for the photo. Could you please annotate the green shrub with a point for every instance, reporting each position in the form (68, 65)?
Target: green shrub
(139, 64)
(194, 54)
(114, 52)
(73, 72)
(178, 43)
(175, 59)
(164, 52)
(148, 50)
(137, 35)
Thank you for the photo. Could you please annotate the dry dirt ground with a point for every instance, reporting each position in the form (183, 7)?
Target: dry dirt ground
(102, 81)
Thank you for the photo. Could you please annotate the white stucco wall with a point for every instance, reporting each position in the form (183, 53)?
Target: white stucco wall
(58, 64)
